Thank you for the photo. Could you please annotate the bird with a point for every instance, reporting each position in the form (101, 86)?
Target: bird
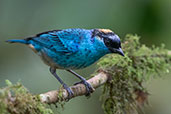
(72, 49)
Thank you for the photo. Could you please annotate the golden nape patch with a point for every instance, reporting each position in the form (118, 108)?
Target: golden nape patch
(105, 30)
(32, 47)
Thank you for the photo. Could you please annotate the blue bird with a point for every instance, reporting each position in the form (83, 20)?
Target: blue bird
(73, 49)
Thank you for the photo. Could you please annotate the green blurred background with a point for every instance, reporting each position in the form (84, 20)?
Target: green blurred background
(151, 19)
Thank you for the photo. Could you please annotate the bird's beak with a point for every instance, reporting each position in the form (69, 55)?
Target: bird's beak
(119, 51)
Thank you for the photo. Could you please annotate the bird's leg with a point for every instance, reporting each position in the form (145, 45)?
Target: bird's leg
(89, 88)
(70, 93)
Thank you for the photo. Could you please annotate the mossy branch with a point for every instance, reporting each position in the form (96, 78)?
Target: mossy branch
(126, 93)
(16, 99)
(123, 79)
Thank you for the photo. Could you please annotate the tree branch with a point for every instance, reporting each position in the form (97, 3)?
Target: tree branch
(78, 90)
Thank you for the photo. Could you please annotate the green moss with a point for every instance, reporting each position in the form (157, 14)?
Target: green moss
(15, 99)
(129, 73)
(61, 100)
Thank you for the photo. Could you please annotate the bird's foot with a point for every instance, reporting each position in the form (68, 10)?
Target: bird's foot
(89, 88)
(70, 93)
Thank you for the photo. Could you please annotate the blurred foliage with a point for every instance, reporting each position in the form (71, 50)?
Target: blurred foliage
(16, 99)
(126, 92)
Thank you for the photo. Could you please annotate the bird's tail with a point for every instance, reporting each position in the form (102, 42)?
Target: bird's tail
(22, 41)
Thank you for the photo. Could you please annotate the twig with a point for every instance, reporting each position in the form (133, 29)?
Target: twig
(78, 90)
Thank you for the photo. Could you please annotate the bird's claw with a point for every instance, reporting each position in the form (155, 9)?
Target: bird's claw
(89, 88)
(70, 93)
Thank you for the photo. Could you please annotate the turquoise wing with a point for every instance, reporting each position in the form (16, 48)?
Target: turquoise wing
(61, 41)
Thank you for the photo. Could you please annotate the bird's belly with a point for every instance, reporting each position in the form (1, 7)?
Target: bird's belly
(68, 61)
(48, 60)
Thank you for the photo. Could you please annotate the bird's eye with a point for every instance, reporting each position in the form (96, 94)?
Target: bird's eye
(108, 42)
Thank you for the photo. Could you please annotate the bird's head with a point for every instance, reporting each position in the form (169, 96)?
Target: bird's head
(111, 40)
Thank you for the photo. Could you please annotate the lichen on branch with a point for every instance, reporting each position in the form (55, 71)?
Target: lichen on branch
(126, 91)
